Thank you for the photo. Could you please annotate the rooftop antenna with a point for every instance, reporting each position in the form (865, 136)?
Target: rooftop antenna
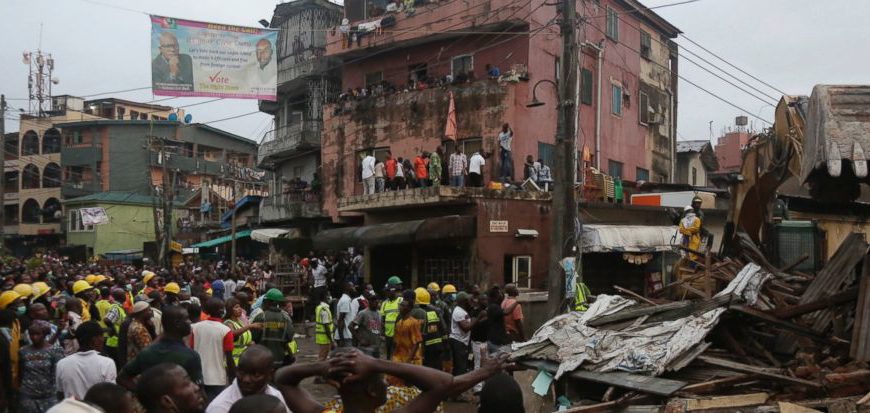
(711, 129)
(39, 81)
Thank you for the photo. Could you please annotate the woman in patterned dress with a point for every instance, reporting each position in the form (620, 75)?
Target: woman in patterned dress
(38, 362)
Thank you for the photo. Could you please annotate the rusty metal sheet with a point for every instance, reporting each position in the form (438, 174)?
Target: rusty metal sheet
(837, 130)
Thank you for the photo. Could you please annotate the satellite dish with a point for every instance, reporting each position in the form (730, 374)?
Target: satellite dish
(187, 118)
(173, 117)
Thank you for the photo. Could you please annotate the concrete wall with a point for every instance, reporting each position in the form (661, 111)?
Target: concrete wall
(685, 163)
(307, 163)
(129, 226)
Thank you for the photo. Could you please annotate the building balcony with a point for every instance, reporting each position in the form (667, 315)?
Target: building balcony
(288, 142)
(80, 188)
(293, 205)
(81, 155)
(429, 22)
(432, 196)
(189, 164)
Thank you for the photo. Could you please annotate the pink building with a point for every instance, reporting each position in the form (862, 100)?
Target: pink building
(729, 150)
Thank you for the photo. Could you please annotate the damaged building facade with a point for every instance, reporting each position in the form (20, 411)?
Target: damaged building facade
(401, 72)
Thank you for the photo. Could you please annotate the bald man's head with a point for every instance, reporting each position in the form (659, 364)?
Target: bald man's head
(256, 368)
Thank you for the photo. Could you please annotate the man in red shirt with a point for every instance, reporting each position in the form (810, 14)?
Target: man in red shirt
(421, 169)
(390, 165)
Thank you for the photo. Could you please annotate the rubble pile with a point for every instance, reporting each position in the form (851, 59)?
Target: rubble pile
(735, 334)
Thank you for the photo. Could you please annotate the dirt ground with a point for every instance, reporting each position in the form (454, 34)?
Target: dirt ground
(324, 392)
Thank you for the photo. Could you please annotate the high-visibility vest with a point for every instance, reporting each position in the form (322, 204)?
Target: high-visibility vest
(86, 310)
(581, 297)
(390, 312)
(432, 334)
(103, 308)
(323, 328)
(241, 342)
(112, 340)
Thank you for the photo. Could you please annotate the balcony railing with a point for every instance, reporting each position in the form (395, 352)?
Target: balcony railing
(86, 154)
(80, 188)
(295, 204)
(289, 140)
(441, 195)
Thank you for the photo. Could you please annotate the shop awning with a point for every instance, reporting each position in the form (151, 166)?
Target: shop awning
(265, 235)
(628, 238)
(221, 240)
(421, 230)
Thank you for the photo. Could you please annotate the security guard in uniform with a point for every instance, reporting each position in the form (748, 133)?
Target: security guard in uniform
(390, 312)
(433, 331)
(323, 326)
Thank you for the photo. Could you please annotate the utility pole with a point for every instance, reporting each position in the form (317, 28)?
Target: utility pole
(167, 219)
(3, 170)
(564, 206)
(233, 230)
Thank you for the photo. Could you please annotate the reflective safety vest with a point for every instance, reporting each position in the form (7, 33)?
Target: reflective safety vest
(581, 296)
(103, 308)
(86, 310)
(432, 335)
(323, 326)
(112, 340)
(241, 342)
(390, 312)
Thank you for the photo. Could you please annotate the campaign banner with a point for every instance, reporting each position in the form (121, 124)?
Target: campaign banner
(192, 58)
(94, 216)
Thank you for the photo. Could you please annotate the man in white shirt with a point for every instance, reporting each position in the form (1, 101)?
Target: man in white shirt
(255, 372)
(368, 174)
(229, 286)
(76, 373)
(213, 341)
(341, 333)
(505, 140)
(460, 334)
(475, 170)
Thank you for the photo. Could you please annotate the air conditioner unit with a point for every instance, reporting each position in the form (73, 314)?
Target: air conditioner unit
(656, 118)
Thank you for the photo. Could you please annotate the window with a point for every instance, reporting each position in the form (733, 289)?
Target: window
(645, 111)
(616, 99)
(134, 115)
(51, 141)
(379, 153)
(612, 24)
(645, 45)
(120, 113)
(418, 71)
(469, 146)
(694, 176)
(521, 270)
(586, 86)
(30, 143)
(462, 65)
(614, 168)
(641, 174)
(374, 77)
(75, 222)
(547, 153)
(143, 116)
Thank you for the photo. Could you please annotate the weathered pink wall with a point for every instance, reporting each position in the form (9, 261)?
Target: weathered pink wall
(729, 150)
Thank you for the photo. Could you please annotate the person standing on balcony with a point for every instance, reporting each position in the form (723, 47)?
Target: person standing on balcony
(505, 139)
(368, 173)
(421, 170)
(458, 168)
(475, 170)
(390, 167)
(399, 181)
(380, 175)
(435, 168)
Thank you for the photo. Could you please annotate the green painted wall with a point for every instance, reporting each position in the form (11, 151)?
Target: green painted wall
(129, 226)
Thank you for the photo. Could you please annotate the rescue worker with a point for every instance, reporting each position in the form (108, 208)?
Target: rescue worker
(448, 295)
(170, 294)
(323, 326)
(390, 312)
(273, 327)
(111, 321)
(84, 292)
(690, 229)
(582, 296)
(13, 302)
(149, 278)
(696, 206)
(433, 331)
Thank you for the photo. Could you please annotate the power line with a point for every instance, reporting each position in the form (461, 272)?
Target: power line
(683, 35)
(727, 73)
(766, 102)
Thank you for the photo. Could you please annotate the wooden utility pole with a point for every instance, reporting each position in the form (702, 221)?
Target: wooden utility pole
(564, 206)
(3, 169)
(233, 230)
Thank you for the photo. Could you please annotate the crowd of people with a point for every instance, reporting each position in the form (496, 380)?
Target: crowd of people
(205, 338)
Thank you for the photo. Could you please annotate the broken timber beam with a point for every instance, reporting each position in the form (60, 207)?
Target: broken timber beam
(726, 402)
(769, 319)
(745, 368)
(824, 302)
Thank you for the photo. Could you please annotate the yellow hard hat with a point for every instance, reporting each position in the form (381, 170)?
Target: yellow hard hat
(90, 278)
(39, 289)
(422, 295)
(25, 290)
(433, 286)
(7, 297)
(147, 276)
(99, 278)
(209, 292)
(448, 289)
(81, 285)
(172, 288)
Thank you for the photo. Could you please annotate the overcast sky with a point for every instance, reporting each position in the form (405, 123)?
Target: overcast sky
(791, 44)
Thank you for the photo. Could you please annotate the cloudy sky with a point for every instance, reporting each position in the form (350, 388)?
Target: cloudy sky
(103, 46)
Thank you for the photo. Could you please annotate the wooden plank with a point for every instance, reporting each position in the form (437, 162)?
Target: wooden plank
(824, 302)
(797, 262)
(709, 386)
(634, 294)
(767, 318)
(745, 368)
(860, 348)
(795, 408)
(645, 384)
(722, 402)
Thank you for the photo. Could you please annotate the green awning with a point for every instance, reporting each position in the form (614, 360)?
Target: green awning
(221, 240)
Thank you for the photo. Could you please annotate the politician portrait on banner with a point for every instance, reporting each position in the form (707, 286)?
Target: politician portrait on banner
(191, 58)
